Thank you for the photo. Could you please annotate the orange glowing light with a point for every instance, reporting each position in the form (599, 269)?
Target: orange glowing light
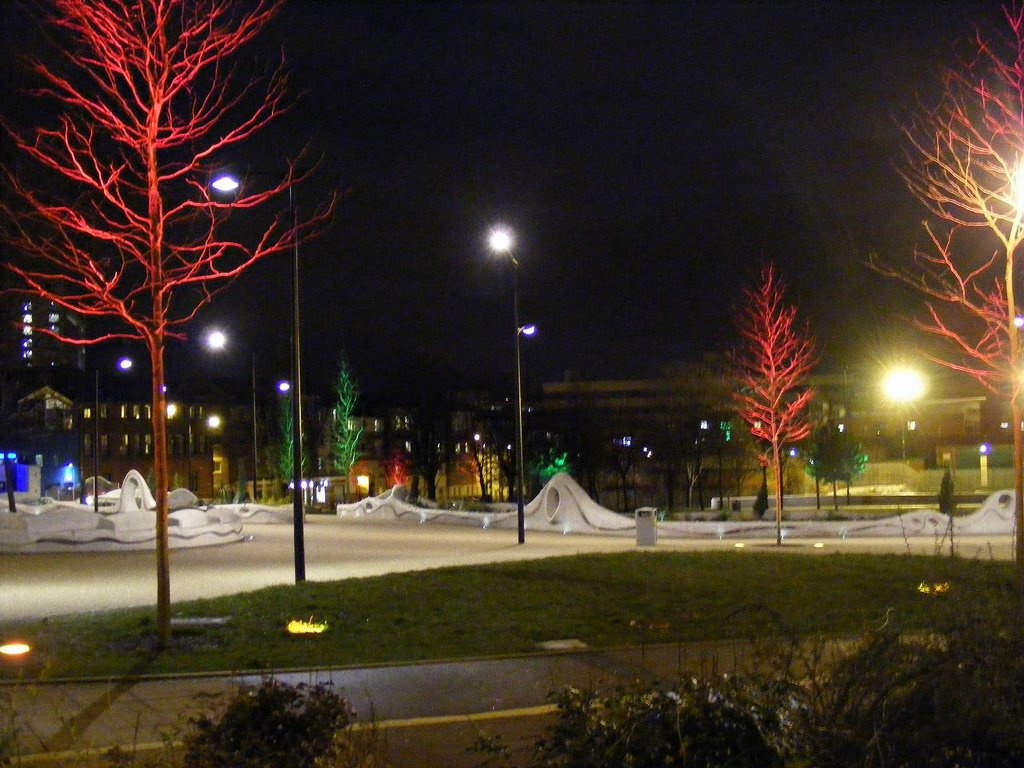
(15, 648)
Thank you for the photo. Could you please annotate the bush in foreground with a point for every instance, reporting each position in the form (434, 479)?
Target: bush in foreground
(281, 726)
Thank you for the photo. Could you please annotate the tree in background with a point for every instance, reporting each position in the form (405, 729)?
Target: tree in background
(964, 161)
(284, 456)
(345, 433)
(773, 366)
(107, 211)
(947, 505)
(835, 456)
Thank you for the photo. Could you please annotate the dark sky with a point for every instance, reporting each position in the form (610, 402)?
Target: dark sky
(647, 156)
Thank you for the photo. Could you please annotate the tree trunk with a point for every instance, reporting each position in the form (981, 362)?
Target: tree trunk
(777, 471)
(160, 471)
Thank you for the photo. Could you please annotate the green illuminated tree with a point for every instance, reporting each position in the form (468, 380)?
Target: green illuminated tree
(345, 433)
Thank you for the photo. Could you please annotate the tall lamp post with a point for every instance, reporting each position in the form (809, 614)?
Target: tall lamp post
(229, 184)
(500, 241)
(218, 340)
(903, 386)
(123, 364)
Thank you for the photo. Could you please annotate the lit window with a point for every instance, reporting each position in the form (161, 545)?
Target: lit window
(704, 424)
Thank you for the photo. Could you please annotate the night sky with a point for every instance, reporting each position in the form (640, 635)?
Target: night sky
(647, 156)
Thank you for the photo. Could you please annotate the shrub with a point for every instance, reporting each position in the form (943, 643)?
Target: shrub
(953, 698)
(273, 726)
(695, 725)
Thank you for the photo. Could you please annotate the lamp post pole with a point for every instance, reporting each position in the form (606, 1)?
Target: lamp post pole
(255, 450)
(500, 241)
(226, 183)
(520, 512)
(299, 539)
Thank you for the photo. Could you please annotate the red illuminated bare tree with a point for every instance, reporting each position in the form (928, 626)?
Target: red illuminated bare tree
(108, 213)
(963, 161)
(773, 365)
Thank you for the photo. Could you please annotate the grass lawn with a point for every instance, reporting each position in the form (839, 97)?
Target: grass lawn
(603, 600)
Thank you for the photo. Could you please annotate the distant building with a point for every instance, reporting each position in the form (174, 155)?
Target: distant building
(34, 348)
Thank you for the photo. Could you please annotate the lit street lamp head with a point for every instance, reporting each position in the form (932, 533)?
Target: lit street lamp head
(216, 339)
(500, 240)
(225, 183)
(902, 385)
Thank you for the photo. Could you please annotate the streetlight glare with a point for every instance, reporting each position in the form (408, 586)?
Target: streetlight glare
(225, 183)
(500, 240)
(213, 422)
(125, 363)
(284, 386)
(529, 330)
(901, 385)
(216, 339)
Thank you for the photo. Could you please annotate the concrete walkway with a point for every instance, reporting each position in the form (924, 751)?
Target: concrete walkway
(57, 722)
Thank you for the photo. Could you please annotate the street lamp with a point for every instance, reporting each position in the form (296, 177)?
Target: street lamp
(228, 184)
(218, 340)
(501, 241)
(902, 386)
(123, 364)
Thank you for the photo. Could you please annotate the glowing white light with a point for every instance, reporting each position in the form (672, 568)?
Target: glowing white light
(528, 330)
(172, 410)
(500, 240)
(284, 386)
(1018, 321)
(15, 648)
(901, 385)
(125, 363)
(819, 545)
(984, 448)
(225, 183)
(213, 422)
(739, 545)
(216, 339)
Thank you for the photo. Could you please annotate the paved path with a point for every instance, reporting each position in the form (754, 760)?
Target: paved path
(58, 721)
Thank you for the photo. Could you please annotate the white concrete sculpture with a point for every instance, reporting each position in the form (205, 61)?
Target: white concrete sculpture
(128, 523)
(562, 505)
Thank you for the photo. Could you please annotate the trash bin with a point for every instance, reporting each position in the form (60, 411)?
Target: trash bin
(646, 526)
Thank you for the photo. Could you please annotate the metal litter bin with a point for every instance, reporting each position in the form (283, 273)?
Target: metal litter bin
(646, 526)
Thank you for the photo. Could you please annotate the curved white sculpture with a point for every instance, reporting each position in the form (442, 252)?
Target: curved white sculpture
(128, 524)
(563, 506)
(135, 493)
